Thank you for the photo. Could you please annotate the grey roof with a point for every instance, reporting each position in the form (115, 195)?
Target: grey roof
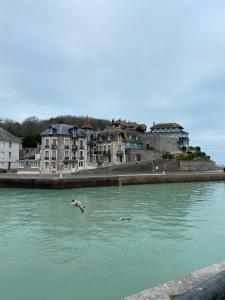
(65, 130)
(7, 136)
(166, 125)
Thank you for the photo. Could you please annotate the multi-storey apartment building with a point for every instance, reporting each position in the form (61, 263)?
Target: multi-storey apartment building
(172, 130)
(115, 146)
(110, 147)
(63, 149)
(9, 150)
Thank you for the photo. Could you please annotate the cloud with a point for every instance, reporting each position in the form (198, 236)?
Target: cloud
(145, 60)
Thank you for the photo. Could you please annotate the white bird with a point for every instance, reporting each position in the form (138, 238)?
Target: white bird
(77, 203)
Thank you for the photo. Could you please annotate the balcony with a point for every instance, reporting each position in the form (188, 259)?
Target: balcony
(46, 146)
(46, 158)
(74, 158)
(66, 146)
(82, 147)
(53, 158)
(119, 152)
(66, 158)
(91, 143)
(54, 147)
(81, 158)
(74, 147)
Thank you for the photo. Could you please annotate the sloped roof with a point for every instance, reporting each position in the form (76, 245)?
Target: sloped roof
(65, 130)
(7, 136)
(166, 125)
(129, 136)
(87, 124)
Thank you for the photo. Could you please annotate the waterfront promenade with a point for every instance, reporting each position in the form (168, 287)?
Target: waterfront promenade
(80, 180)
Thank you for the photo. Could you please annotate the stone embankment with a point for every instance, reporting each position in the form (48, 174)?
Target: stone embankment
(207, 284)
(79, 181)
(157, 165)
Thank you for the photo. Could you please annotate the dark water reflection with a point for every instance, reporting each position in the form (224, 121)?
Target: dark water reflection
(49, 250)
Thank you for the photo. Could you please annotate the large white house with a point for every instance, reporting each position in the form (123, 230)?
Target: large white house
(64, 149)
(9, 150)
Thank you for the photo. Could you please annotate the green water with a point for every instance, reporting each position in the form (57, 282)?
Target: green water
(50, 251)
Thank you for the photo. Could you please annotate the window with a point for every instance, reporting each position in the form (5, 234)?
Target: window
(80, 164)
(66, 142)
(54, 142)
(81, 143)
(46, 154)
(66, 154)
(54, 166)
(2, 154)
(46, 166)
(81, 155)
(10, 153)
(54, 154)
(47, 142)
(10, 144)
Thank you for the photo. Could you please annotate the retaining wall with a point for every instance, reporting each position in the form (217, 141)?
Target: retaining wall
(104, 180)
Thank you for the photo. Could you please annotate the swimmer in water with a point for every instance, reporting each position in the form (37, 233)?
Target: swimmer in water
(121, 219)
(77, 203)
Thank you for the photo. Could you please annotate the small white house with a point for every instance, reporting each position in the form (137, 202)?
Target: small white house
(9, 150)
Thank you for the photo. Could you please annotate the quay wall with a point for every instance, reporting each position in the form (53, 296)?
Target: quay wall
(157, 165)
(105, 180)
(207, 284)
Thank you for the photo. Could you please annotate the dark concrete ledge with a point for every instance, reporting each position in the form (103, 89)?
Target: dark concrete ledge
(192, 286)
(77, 181)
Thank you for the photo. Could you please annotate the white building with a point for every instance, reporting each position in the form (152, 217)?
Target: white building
(9, 150)
(172, 130)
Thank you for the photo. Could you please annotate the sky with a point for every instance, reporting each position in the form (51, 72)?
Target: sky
(140, 60)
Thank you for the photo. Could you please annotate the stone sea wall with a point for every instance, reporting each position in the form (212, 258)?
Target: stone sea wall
(55, 182)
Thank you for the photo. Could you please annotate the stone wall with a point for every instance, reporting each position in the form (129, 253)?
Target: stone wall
(197, 165)
(155, 166)
(57, 182)
(161, 144)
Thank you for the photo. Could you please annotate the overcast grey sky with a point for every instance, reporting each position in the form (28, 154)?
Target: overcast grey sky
(140, 60)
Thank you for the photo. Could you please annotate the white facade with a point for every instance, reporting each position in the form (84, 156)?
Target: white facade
(63, 154)
(9, 154)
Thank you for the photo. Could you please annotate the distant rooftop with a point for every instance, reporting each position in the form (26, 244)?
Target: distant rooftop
(64, 130)
(123, 124)
(7, 136)
(166, 125)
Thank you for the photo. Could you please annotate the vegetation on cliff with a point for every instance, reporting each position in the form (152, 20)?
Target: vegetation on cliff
(31, 127)
(189, 153)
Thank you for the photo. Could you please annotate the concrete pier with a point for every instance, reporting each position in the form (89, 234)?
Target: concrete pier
(78, 181)
(170, 290)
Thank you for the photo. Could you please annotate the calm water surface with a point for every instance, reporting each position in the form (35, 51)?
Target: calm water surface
(50, 251)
